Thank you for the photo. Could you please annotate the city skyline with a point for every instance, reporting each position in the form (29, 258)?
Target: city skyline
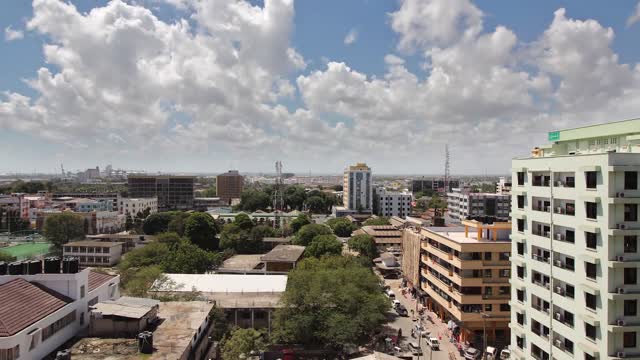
(186, 86)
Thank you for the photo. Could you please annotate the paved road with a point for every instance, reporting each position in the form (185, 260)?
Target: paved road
(437, 329)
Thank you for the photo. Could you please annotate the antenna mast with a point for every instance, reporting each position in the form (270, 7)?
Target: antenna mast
(446, 168)
(278, 202)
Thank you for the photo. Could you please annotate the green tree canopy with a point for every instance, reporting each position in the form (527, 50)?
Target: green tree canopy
(189, 258)
(308, 232)
(437, 202)
(243, 221)
(381, 220)
(243, 342)
(177, 224)
(299, 222)
(332, 301)
(61, 228)
(148, 255)
(364, 244)
(201, 230)
(252, 200)
(324, 245)
(294, 197)
(158, 222)
(171, 239)
(316, 205)
(342, 227)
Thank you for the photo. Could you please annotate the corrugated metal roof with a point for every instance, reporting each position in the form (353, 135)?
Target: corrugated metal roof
(284, 253)
(223, 283)
(96, 279)
(23, 303)
(128, 307)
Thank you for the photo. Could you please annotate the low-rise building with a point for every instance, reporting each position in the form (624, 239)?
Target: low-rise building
(282, 257)
(129, 241)
(392, 203)
(465, 271)
(259, 217)
(133, 206)
(123, 317)
(385, 236)
(42, 311)
(94, 253)
(464, 204)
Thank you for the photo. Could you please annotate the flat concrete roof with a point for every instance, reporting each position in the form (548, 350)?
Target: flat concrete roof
(224, 283)
(241, 262)
(457, 234)
(181, 321)
(285, 253)
(94, 243)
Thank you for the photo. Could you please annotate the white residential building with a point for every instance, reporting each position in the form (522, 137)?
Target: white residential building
(131, 206)
(463, 204)
(40, 312)
(575, 287)
(358, 190)
(393, 203)
(503, 186)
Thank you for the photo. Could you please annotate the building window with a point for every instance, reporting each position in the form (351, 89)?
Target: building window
(520, 177)
(630, 276)
(592, 179)
(520, 295)
(631, 180)
(520, 318)
(58, 325)
(630, 212)
(520, 248)
(629, 339)
(630, 244)
(10, 354)
(520, 271)
(568, 345)
(505, 273)
(505, 307)
(82, 291)
(590, 300)
(569, 291)
(590, 270)
(520, 201)
(487, 256)
(592, 210)
(589, 357)
(590, 331)
(630, 307)
(521, 225)
(591, 239)
(487, 307)
(520, 342)
(505, 256)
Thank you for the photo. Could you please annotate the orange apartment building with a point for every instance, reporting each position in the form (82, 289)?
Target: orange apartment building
(465, 272)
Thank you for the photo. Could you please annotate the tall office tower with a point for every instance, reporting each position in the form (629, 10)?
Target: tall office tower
(358, 190)
(575, 288)
(174, 192)
(229, 185)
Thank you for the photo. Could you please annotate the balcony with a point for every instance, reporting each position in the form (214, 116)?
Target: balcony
(542, 309)
(543, 259)
(624, 260)
(496, 296)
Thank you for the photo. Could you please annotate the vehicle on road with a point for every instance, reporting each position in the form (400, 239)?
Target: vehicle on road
(433, 343)
(415, 348)
(505, 354)
(472, 354)
(396, 303)
(402, 311)
(390, 294)
(419, 330)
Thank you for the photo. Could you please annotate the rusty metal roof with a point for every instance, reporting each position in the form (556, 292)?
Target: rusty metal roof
(96, 279)
(24, 303)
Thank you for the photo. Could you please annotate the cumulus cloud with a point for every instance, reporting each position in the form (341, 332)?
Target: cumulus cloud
(229, 80)
(12, 34)
(635, 17)
(351, 37)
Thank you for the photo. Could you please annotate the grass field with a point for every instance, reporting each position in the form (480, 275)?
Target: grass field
(22, 251)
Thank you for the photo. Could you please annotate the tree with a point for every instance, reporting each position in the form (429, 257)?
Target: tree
(243, 221)
(324, 245)
(338, 188)
(148, 255)
(437, 202)
(201, 230)
(294, 197)
(176, 225)
(364, 244)
(61, 228)
(171, 239)
(377, 221)
(333, 301)
(316, 205)
(299, 222)
(342, 227)
(157, 223)
(310, 231)
(244, 241)
(5, 257)
(189, 258)
(252, 200)
(243, 342)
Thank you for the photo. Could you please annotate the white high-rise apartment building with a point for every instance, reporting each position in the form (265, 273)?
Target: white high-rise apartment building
(391, 203)
(575, 286)
(463, 204)
(358, 192)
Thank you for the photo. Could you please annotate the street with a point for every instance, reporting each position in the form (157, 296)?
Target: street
(436, 329)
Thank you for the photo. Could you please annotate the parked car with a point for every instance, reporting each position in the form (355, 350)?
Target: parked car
(395, 303)
(472, 354)
(433, 343)
(505, 354)
(419, 330)
(402, 311)
(415, 348)
(391, 294)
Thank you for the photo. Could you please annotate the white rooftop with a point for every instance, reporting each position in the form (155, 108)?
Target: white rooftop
(224, 283)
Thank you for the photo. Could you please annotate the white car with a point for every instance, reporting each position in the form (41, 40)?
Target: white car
(395, 303)
(415, 348)
(433, 343)
(472, 354)
(419, 330)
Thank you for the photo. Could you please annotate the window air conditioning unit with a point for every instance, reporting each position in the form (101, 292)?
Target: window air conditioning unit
(559, 183)
(558, 263)
(622, 226)
(620, 290)
(620, 322)
(558, 343)
(620, 258)
(558, 316)
(620, 194)
(559, 290)
(621, 354)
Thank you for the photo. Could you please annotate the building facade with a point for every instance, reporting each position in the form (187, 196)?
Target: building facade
(229, 185)
(131, 206)
(94, 253)
(358, 190)
(463, 204)
(437, 185)
(575, 285)
(393, 203)
(173, 192)
(465, 272)
(503, 186)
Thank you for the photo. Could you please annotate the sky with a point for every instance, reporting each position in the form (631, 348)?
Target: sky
(209, 85)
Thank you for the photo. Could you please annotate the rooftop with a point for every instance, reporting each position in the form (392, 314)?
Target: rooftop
(24, 303)
(224, 283)
(94, 243)
(126, 307)
(96, 279)
(470, 236)
(181, 321)
(288, 253)
(241, 262)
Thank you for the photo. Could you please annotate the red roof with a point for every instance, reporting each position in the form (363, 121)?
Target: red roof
(24, 303)
(96, 279)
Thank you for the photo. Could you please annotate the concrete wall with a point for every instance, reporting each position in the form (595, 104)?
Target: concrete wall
(411, 256)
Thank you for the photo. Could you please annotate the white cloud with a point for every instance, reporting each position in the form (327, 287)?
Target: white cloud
(12, 34)
(351, 37)
(635, 17)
